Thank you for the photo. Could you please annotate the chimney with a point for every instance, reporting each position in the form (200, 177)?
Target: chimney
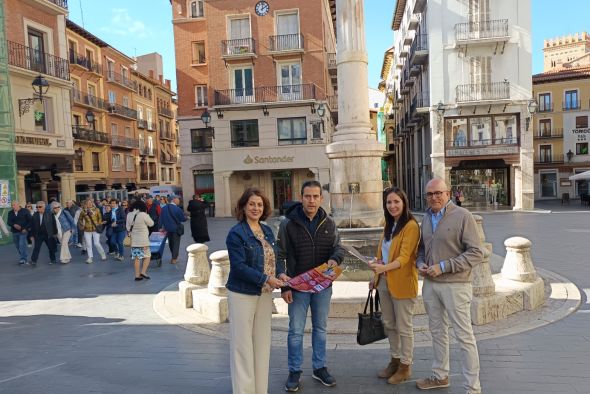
(168, 83)
(151, 74)
(161, 79)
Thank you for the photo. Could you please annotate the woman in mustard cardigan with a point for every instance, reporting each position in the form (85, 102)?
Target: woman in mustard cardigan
(396, 280)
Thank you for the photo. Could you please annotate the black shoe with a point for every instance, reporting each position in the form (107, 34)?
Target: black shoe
(324, 376)
(82, 251)
(293, 381)
(138, 279)
(145, 276)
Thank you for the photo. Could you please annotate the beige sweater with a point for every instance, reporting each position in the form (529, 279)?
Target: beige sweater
(140, 236)
(455, 241)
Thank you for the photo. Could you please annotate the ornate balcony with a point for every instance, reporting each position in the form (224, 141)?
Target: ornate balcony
(119, 110)
(84, 134)
(490, 30)
(286, 43)
(121, 80)
(548, 134)
(40, 62)
(266, 94)
(85, 63)
(243, 47)
(549, 158)
(419, 50)
(60, 3)
(475, 92)
(86, 100)
(141, 123)
(165, 112)
(124, 142)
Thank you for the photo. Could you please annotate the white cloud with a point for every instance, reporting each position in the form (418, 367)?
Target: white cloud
(123, 24)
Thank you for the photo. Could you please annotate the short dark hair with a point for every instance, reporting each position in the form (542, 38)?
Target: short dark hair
(243, 200)
(115, 200)
(139, 205)
(311, 183)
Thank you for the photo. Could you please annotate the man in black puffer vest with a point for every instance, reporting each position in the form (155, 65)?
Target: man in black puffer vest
(308, 238)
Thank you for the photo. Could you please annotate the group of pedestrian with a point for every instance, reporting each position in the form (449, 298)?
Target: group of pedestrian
(444, 252)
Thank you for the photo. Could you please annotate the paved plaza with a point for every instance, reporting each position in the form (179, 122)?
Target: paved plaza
(84, 328)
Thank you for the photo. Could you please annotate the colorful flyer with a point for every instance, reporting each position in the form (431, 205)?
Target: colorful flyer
(4, 194)
(316, 279)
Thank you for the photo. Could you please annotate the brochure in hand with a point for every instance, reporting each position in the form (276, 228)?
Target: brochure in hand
(316, 279)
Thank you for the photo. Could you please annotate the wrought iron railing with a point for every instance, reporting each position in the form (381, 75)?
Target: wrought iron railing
(549, 158)
(420, 100)
(489, 29)
(241, 46)
(483, 91)
(570, 105)
(84, 98)
(420, 43)
(120, 110)
(141, 123)
(85, 62)
(61, 3)
(122, 80)
(286, 42)
(266, 94)
(31, 59)
(456, 143)
(86, 134)
(549, 133)
(165, 112)
(125, 142)
(545, 107)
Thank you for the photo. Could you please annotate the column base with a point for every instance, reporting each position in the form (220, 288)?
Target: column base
(210, 306)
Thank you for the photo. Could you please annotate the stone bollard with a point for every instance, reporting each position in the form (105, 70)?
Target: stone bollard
(518, 264)
(219, 273)
(518, 269)
(483, 283)
(196, 273)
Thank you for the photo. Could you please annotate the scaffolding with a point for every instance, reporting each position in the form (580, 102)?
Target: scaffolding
(7, 154)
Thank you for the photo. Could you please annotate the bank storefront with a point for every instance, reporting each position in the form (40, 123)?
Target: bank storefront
(480, 153)
(278, 172)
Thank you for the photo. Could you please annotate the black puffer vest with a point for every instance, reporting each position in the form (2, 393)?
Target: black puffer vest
(305, 250)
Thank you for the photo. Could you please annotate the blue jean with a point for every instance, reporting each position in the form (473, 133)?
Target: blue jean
(320, 307)
(117, 242)
(20, 241)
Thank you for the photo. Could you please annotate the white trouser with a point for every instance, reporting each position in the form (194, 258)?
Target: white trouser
(249, 341)
(91, 238)
(452, 301)
(64, 252)
(397, 318)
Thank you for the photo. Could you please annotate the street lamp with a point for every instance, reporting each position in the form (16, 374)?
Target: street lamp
(321, 110)
(532, 107)
(206, 118)
(40, 87)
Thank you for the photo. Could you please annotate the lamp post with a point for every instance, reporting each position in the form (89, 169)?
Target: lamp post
(532, 107)
(206, 118)
(40, 87)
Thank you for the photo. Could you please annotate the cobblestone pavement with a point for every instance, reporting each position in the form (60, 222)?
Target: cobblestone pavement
(90, 328)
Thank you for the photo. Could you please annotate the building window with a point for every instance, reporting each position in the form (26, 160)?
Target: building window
(197, 9)
(201, 140)
(287, 32)
(129, 163)
(544, 153)
(201, 96)
(114, 129)
(171, 174)
(125, 101)
(128, 132)
(316, 130)
(199, 52)
(504, 129)
(95, 161)
(289, 79)
(581, 122)
(571, 100)
(36, 57)
(116, 162)
(152, 171)
(79, 163)
(110, 70)
(244, 133)
(112, 97)
(545, 102)
(150, 145)
(548, 185)
(581, 148)
(481, 131)
(163, 174)
(204, 183)
(292, 131)
(545, 128)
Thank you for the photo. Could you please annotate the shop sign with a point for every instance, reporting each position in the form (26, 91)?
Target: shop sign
(268, 159)
(4, 194)
(485, 151)
(19, 139)
(581, 134)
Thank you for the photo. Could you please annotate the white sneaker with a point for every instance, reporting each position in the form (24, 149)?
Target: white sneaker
(89, 260)
(103, 257)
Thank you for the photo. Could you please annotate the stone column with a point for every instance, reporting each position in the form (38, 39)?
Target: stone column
(355, 154)
(20, 186)
(219, 273)
(517, 188)
(67, 186)
(196, 273)
(483, 283)
(43, 186)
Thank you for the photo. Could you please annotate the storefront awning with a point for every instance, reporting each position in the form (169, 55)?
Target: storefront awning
(581, 176)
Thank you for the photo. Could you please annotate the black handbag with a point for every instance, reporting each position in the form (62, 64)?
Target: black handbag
(370, 327)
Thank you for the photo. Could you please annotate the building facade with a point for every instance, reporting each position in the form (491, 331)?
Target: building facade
(561, 132)
(566, 51)
(462, 77)
(36, 46)
(270, 99)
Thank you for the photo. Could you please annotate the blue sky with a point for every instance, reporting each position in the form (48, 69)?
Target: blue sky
(135, 28)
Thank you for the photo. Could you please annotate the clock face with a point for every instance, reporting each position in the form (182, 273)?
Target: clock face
(262, 8)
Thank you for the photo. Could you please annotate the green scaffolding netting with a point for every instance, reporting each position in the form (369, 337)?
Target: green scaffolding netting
(7, 153)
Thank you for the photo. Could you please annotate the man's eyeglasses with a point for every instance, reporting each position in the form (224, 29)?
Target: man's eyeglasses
(434, 194)
(40, 206)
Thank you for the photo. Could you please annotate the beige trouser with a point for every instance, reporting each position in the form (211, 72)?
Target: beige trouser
(249, 342)
(452, 301)
(397, 319)
(64, 252)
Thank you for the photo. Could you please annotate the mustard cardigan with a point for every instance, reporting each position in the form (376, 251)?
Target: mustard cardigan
(403, 281)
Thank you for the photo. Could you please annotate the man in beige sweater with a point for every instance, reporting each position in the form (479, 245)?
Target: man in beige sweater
(449, 248)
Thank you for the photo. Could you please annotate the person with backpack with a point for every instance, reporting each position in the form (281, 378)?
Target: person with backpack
(171, 221)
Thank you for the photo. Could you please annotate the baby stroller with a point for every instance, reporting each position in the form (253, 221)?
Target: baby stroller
(157, 243)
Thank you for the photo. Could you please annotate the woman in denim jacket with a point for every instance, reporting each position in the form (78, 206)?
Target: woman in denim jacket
(65, 225)
(254, 274)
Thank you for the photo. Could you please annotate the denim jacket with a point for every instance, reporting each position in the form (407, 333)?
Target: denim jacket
(66, 221)
(246, 259)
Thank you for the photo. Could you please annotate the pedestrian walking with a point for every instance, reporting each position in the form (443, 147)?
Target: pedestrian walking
(117, 223)
(397, 282)
(449, 249)
(138, 223)
(44, 230)
(307, 238)
(196, 208)
(31, 210)
(154, 210)
(252, 278)
(19, 222)
(74, 211)
(65, 226)
(107, 222)
(171, 221)
(91, 220)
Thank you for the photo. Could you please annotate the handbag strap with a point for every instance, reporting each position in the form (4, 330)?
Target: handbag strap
(91, 221)
(370, 302)
(133, 224)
